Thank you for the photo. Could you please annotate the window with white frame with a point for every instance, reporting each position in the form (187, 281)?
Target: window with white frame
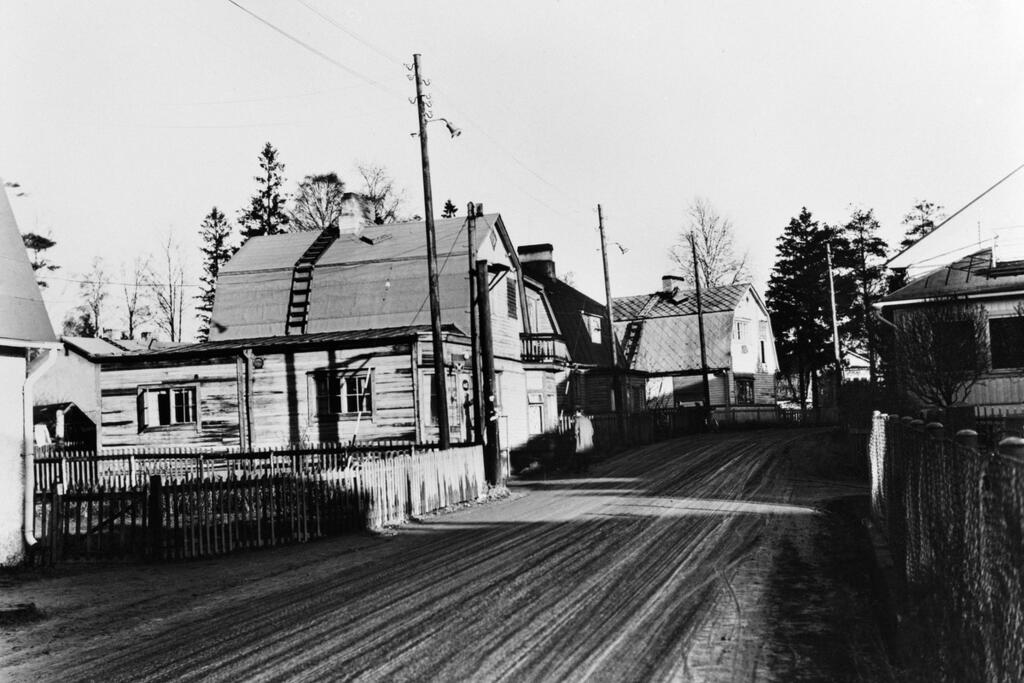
(741, 329)
(593, 323)
(167, 406)
(340, 393)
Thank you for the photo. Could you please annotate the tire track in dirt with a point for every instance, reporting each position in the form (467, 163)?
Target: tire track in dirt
(605, 576)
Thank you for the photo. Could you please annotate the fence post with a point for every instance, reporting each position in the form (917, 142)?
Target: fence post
(934, 430)
(1012, 446)
(967, 438)
(56, 521)
(156, 517)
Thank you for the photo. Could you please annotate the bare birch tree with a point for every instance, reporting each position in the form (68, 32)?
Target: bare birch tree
(716, 252)
(133, 287)
(318, 202)
(384, 198)
(93, 288)
(167, 289)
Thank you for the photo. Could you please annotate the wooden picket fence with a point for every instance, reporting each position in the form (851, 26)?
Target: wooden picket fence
(168, 517)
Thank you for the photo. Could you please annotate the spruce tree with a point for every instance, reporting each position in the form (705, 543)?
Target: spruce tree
(798, 296)
(867, 256)
(216, 233)
(265, 214)
(449, 210)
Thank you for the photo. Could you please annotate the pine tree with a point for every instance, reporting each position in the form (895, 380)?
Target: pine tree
(798, 296)
(216, 232)
(449, 210)
(265, 214)
(921, 220)
(867, 252)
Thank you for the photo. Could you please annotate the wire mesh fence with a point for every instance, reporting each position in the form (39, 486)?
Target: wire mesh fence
(953, 514)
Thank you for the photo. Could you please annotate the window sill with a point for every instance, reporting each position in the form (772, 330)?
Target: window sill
(183, 427)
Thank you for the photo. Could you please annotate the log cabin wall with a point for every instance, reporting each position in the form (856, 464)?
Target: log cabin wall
(283, 400)
(217, 399)
(284, 396)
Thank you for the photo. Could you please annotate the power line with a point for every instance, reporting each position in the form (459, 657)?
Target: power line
(462, 114)
(351, 33)
(310, 48)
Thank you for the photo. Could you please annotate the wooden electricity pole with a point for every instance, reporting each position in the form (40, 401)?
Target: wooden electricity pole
(835, 324)
(477, 435)
(435, 304)
(700, 331)
(609, 320)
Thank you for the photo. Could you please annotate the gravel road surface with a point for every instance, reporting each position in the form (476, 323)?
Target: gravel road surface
(704, 558)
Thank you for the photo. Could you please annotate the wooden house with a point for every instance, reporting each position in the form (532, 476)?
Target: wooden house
(580, 342)
(998, 288)
(325, 337)
(659, 335)
(27, 346)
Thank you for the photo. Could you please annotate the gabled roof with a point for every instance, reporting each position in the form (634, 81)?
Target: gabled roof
(971, 276)
(660, 331)
(23, 317)
(375, 280)
(683, 302)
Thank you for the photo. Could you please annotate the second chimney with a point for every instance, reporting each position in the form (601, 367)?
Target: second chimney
(538, 260)
(671, 283)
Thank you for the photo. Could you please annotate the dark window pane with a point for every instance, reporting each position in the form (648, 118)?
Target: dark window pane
(1007, 336)
(163, 402)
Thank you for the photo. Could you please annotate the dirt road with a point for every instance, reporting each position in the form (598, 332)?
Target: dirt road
(705, 558)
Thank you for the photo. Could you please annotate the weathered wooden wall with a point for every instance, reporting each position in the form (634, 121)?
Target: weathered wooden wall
(282, 397)
(217, 398)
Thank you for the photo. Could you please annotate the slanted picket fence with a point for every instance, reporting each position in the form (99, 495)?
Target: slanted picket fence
(227, 504)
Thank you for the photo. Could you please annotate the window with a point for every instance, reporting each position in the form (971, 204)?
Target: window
(341, 393)
(744, 391)
(1007, 341)
(763, 356)
(593, 323)
(167, 406)
(741, 330)
(533, 311)
(510, 290)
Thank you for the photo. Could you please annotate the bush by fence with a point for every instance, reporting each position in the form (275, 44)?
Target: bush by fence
(953, 514)
(298, 496)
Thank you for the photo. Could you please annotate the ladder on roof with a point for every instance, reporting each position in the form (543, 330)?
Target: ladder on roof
(302, 281)
(631, 340)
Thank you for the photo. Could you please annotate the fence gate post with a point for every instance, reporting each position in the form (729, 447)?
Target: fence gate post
(56, 529)
(156, 517)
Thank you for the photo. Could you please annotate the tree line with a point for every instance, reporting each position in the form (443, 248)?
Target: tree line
(798, 295)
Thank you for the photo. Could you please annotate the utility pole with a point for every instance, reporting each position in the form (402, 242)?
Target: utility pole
(700, 332)
(609, 321)
(835, 325)
(492, 448)
(435, 304)
(474, 337)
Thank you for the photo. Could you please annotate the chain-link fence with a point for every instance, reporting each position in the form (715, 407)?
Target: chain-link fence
(954, 517)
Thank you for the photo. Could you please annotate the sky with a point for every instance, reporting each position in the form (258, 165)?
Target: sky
(125, 122)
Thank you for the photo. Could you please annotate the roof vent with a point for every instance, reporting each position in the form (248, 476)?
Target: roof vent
(376, 239)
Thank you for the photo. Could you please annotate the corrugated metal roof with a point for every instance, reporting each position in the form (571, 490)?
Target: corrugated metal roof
(659, 304)
(23, 315)
(971, 275)
(374, 280)
(269, 252)
(370, 337)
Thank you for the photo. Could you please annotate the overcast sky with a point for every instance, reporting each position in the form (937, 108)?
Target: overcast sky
(124, 120)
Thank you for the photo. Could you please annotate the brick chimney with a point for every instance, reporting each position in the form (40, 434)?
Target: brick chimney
(670, 284)
(538, 260)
